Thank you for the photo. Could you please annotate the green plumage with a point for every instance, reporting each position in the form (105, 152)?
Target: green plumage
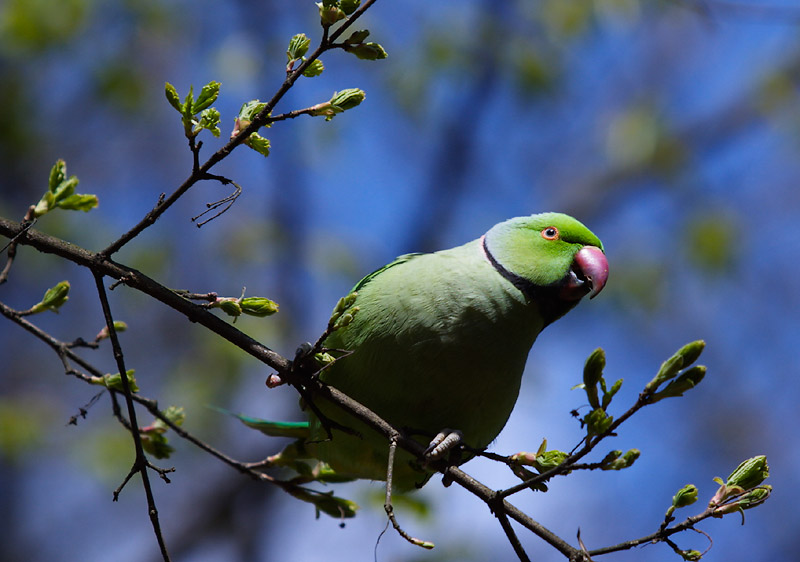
(440, 340)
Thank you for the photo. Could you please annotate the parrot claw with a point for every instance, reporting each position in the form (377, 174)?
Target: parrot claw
(445, 441)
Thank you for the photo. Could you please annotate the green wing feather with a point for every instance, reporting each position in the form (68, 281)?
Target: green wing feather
(398, 261)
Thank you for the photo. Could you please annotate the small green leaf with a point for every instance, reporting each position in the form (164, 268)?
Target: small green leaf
(250, 109)
(341, 101)
(314, 69)
(549, 459)
(65, 189)
(592, 374)
(209, 120)
(79, 202)
(348, 99)
(114, 382)
(323, 359)
(686, 381)
(208, 95)
(188, 102)
(668, 370)
(367, 51)
(357, 37)
(175, 414)
(298, 47)
(607, 396)
(597, 422)
(755, 497)
(329, 13)
(119, 326)
(691, 352)
(53, 298)
(349, 6)
(749, 473)
(57, 175)
(682, 358)
(156, 444)
(172, 97)
(228, 305)
(685, 496)
(258, 306)
(258, 143)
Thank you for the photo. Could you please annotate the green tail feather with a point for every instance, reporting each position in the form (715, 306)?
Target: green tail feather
(296, 430)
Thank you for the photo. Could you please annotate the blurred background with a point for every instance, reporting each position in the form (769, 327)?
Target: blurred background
(670, 128)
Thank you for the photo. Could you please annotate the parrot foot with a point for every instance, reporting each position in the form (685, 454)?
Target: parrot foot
(445, 441)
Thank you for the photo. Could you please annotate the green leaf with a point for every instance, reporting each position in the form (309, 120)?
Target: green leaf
(209, 120)
(348, 99)
(79, 202)
(349, 6)
(329, 13)
(329, 504)
(258, 306)
(749, 473)
(175, 414)
(45, 204)
(686, 381)
(341, 101)
(65, 189)
(597, 422)
(592, 374)
(114, 382)
(298, 47)
(119, 326)
(156, 444)
(367, 51)
(258, 143)
(172, 97)
(228, 305)
(755, 497)
(691, 352)
(188, 102)
(685, 496)
(208, 95)
(57, 175)
(53, 298)
(314, 69)
(357, 37)
(249, 110)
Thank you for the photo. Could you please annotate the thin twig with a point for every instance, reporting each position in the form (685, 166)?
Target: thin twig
(387, 504)
(200, 172)
(499, 512)
(135, 279)
(140, 463)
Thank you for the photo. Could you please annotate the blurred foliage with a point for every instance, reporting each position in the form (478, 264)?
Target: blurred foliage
(33, 26)
(25, 420)
(712, 241)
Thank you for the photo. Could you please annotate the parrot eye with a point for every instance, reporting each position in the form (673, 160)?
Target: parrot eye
(550, 233)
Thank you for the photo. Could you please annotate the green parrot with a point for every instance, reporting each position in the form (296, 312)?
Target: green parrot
(438, 342)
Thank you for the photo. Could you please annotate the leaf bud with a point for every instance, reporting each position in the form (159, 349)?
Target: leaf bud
(53, 298)
(258, 306)
(749, 473)
(685, 496)
(298, 46)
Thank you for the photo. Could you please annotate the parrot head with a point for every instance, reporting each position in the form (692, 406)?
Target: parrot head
(551, 257)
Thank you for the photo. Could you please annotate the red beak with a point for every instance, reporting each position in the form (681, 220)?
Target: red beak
(588, 275)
